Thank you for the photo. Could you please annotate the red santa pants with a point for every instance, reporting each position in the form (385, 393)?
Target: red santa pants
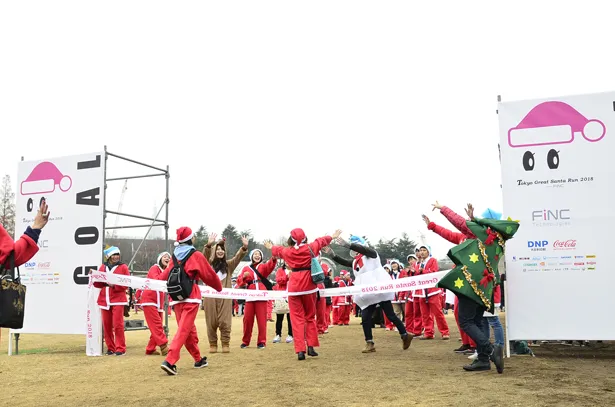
(328, 313)
(303, 319)
(336, 314)
(431, 310)
(387, 323)
(409, 311)
(252, 309)
(465, 339)
(321, 319)
(113, 324)
(186, 335)
(269, 310)
(154, 323)
(418, 317)
(344, 315)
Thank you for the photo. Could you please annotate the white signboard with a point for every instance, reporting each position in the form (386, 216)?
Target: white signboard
(70, 245)
(557, 180)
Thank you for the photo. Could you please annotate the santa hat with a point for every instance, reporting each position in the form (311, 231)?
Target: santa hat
(298, 236)
(325, 268)
(254, 251)
(161, 255)
(386, 266)
(111, 251)
(411, 256)
(426, 247)
(343, 272)
(395, 261)
(183, 235)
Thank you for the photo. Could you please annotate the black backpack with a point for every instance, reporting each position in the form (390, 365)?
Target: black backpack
(179, 284)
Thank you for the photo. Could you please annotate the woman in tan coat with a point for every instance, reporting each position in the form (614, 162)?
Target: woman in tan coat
(218, 311)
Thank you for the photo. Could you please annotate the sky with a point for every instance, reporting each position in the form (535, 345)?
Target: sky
(274, 115)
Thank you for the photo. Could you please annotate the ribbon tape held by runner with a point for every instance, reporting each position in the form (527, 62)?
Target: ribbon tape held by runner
(403, 284)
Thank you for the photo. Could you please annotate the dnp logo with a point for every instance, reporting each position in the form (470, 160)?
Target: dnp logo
(537, 245)
(551, 217)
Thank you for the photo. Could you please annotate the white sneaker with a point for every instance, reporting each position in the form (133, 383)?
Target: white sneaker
(473, 356)
(289, 339)
(277, 339)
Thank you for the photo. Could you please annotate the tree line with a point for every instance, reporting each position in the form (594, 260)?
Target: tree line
(395, 248)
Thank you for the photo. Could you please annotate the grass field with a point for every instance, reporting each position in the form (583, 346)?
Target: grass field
(52, 370)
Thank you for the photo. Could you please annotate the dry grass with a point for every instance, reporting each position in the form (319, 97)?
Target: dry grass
(54, 371)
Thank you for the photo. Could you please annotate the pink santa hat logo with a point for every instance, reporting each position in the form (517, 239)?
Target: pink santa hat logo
(44, 178)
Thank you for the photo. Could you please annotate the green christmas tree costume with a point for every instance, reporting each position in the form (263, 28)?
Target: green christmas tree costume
(476, 260)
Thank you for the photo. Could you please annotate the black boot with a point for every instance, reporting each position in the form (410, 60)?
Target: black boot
(301, 355)
(497, 357)
(478, 366)
(311, 351)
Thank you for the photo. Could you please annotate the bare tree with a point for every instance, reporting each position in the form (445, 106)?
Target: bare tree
(7, 206)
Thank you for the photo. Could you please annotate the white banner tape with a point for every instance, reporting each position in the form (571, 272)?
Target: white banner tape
(402, 284)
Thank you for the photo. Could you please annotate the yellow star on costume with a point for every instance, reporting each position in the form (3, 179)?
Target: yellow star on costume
(474, 258)
(458, 283)
(510, 219)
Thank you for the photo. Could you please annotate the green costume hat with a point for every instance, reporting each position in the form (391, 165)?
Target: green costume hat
(476, 260)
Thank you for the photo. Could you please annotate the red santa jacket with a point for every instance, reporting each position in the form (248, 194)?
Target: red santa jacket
(151, 298)
(404, 295)
(281, 279)
(198, 268)
(112, 295)
(299, 260)
(339, 300)
(252, 282)
(497, 295)
(25, 248)
(429, 266)
(399, 296)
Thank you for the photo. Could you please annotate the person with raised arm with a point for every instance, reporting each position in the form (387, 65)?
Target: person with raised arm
(301, 289)
(467, 344)
(26, 246)
(367, 269)
(474, 278)
(254, 276)
(219, 311)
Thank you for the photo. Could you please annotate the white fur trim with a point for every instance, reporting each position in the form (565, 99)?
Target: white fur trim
(187, 238)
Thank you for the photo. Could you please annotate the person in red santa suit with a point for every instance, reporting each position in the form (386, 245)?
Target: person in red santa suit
(197, 268)
(328, 300)
(343, 306)
(254, 277)
(152, 303)
(408, 295)
(111, 300)
(387, 323)
(302, 290)
(430, 299)
(21, 251)
(270, 310)
(321, 305)
(334, 301)
(468, 346)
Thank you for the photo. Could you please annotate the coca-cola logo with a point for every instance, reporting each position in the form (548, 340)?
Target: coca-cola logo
(569, 244)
